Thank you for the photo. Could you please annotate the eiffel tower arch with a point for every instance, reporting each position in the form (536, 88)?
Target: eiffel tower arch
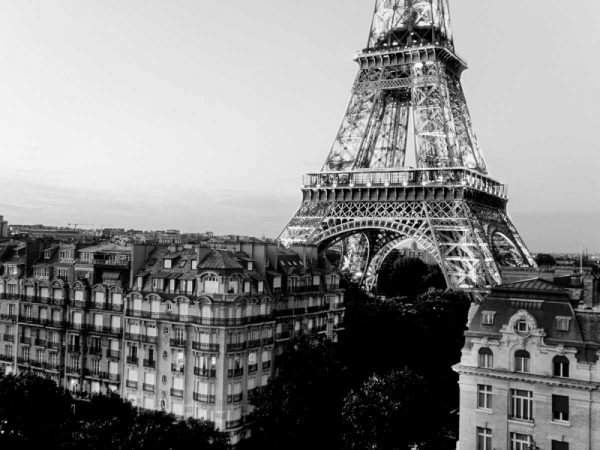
(407, 94)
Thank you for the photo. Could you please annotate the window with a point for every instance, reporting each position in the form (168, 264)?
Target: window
(522, 361)
(484, 396)
(168, 263)
(484, 439)
(561, 366)
(522, 327)
(556, 445)
(487, 317)
(520, 441)
(563, 323)
(486, 358)
(211, 285)
(521, 404)
(560, 408)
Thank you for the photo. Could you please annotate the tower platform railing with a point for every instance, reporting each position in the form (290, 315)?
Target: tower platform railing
(387, 178)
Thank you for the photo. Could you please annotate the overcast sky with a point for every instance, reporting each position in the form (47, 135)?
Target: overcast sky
(204, 114)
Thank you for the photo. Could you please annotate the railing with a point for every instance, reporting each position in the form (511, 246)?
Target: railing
(407, 177)
(6, 358)
(114, 377)
(234, 398)
(268, 341)
(95, 373)
(131, 384)
(205, 347)
(303, 289)
(235, 372)
(25, 340)
(53, 345)
(266, 365)
(205, 372)
(132, 360)
(149, 339)
(178, 342)
(8, 337)
(233, 423)
(11, 317)
(148, 387)
(283, 335)
(107, 262)
(254, 343)
(97, 328)
(22, 360)
(74, 348)
(79, 303)
(176, 393)
(236, 347)
(113, 353)
(40, 342)
(133, 336)
(95, 350)
(204, 398)
(177, 368)
(252, 368)
(73, 369)
(149, 363)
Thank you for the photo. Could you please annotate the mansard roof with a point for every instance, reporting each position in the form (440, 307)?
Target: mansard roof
(219, 260)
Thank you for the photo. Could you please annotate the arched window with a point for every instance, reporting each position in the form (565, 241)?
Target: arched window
(522, 361)
(486, 358)
(211, 284)
(561, 366)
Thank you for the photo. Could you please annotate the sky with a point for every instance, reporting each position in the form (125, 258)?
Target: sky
(203, 115)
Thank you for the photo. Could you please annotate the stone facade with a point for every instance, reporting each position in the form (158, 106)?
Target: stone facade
(189, 330)
(529, 372)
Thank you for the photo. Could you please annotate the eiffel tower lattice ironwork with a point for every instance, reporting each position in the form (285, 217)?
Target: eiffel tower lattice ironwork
(408, 92)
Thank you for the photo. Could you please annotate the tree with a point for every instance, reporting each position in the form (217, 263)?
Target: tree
(34, 412)
(304, 400)
(544, 259)
(408, 277)
(390, 412)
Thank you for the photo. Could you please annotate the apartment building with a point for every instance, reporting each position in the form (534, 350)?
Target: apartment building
(529, 372)
(189, 330)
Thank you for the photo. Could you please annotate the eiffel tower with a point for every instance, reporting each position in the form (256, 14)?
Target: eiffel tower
(371, 199)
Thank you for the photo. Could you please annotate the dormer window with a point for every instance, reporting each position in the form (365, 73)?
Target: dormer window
(250, 265)
(47, 254)
(563, 323)
(522, 327)
(167, 263)
(194, 264)
(487, 317)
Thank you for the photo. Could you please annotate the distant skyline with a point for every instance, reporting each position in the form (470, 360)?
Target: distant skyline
(203, 116)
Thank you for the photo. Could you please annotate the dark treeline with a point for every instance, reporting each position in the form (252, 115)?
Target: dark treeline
(388, 384)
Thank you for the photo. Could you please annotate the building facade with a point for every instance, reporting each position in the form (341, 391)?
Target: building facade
(529, 372)
(189, 330)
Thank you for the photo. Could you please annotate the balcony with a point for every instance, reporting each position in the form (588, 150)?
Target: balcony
(78, 326)
(205, 347)
(133, 336)
(131, 384)
(53, 345)
(148, 387)
(8, 317)
(204, 398)
(268, 341)
(178, 343)
(236, 347)
(23, 360)
(113, 354)
(176, 393)
(74, 348)
(283, 335)
(99, 305)
(95, 373)
(253, 344)
(8, 337)
(177, 368)
(79, 303)
(266, 365)
(252, 368)
(132, 360)
(149, 339)
(40, 342)
(116, 307)
(8, 358)
(149, 363)
(73, 370)
(235, 372)
(57, 323)
(230, 424)
(25, 340)
(235, 398)
(205, 372)
(115, 377)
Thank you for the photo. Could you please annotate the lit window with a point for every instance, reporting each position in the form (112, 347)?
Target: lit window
(486, 358)
(520, 441)
(484, 439)
(487, 317)
(563, 323)
(522, 361)
(484, 396)
(521, 405)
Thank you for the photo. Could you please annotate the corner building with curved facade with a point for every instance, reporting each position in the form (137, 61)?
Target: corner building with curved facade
(186, 329)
